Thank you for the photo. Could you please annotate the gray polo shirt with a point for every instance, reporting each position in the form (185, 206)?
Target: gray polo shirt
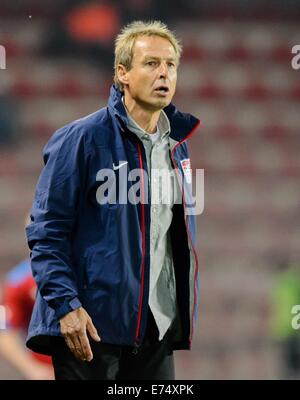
(162, 291)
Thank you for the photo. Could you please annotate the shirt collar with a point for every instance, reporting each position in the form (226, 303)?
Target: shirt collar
(182, 125)
(163, 125)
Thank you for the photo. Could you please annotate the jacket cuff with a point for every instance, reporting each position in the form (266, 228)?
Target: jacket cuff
(66, 305)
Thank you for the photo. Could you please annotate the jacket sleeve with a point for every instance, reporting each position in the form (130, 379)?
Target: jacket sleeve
(53, 217)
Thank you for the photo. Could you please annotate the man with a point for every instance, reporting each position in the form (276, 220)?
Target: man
(19, 291)
(285, 317)
(122, 272)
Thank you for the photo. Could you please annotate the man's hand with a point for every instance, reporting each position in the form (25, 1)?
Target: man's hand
(74, 327)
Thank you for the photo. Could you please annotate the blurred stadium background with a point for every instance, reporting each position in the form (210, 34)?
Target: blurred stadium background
(236, 75)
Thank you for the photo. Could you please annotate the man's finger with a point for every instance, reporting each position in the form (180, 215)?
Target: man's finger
(74, 345)
(92, 331)
(85, 346)
(69, 343)
(79, 353)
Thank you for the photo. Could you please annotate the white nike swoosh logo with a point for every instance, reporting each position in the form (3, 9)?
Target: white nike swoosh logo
(115, 167)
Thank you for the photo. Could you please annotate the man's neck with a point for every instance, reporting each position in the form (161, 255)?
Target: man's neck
(147, 120)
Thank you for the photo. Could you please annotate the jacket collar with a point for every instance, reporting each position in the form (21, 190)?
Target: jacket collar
(181, 124)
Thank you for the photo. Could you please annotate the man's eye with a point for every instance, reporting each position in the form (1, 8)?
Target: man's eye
(151, 63)
(171, 64)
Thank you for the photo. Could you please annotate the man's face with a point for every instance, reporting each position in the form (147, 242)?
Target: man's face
(151, 81)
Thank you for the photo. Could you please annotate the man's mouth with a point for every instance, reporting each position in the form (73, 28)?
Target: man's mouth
(163, 90)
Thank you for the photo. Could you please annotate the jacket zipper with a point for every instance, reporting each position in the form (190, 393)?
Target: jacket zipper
(187, 229)
(136, 343)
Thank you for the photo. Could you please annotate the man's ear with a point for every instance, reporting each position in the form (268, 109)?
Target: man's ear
(122, 74)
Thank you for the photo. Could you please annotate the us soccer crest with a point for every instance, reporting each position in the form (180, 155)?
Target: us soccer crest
(187, 171)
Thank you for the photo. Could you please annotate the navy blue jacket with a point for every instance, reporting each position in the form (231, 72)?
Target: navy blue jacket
(97, 256)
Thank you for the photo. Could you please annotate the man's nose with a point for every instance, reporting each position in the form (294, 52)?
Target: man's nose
(163, 70)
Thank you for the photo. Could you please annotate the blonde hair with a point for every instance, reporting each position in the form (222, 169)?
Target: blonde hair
(124, 42)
